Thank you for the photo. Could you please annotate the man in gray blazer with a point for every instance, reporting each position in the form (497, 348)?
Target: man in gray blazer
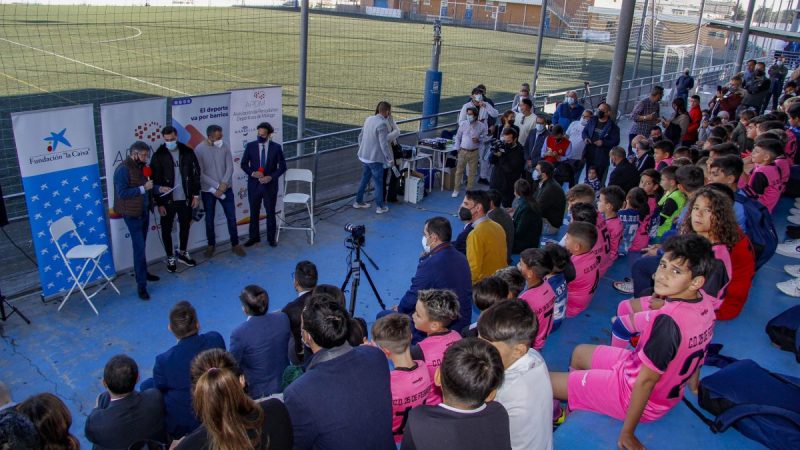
(374, 152)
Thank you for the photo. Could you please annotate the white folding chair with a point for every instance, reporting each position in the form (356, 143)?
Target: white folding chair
(90, 253)
(302, 175)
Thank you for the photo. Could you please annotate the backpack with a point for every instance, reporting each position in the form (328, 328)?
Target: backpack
(782, 331)
(762, 405)
(760, 228)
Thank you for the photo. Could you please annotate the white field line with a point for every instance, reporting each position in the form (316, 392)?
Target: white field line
(126, 38)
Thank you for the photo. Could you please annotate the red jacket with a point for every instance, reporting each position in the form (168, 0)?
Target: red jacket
(743, 260)
(695, 116)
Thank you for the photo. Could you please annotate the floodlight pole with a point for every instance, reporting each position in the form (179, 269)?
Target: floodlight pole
(301, 88)
(433, 82)
(620, 55)
(639, 41)
(744, 36)
(697, 36)
(538, 57)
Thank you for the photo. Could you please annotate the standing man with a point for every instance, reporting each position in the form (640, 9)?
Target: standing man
(471, 135)
(748, 73)
(263, 162)
(216, 179)
(568, 111)
(684, 83)
(534, 144)
(777, 74)
(525, 119)
(175, 167)
(600, 135)
(132, 201)
(645, 116)
(758, 89)
(486, 244)
(374, 152)
(575, 156)
(550, 197)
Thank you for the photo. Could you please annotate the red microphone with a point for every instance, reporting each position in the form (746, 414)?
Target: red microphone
(261, 170)
(147, 172)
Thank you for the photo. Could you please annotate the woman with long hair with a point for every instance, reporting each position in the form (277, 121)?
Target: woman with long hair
(230, 419)
(52, 420)
(527, 218)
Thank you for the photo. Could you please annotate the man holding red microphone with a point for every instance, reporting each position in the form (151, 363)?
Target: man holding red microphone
(264, 163)
(132, 187)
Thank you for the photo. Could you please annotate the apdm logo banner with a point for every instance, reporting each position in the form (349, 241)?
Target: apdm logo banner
(58, 161)
(122, 125)
(248, 108)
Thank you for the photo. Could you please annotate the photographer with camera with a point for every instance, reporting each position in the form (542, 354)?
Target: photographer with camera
(508, 158)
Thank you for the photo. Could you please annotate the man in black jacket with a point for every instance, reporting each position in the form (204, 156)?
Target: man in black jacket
(624, 174)
(123, 416)
(551, 198)
(175, 166)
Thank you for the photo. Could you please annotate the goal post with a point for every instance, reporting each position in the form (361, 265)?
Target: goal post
(679, 57)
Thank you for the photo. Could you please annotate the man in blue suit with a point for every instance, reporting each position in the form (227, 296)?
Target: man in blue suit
(440, 267)
(261, 344)
(171, 370)
(600, 135)
(263, 162)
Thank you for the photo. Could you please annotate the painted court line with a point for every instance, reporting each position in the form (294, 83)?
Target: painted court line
(47, 52)
(126, 38)
(36, 87)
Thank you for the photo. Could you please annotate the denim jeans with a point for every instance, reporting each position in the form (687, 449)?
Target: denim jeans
(137, 227)
(374, 172)
(229, 208)
(642, 274)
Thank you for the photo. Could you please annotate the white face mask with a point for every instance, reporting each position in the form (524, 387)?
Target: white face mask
(569, 100)
(425, 245)
(584, 122)
(471, 118)
(478, 97)
(218, 143)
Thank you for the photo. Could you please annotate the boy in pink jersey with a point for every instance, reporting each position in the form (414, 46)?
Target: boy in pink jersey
(535, 264)
(662, 153)
(766, 182)
(611, 200)
(436, 310)
(581, 238)
(410, 381)
(645, 383)
(585, 212)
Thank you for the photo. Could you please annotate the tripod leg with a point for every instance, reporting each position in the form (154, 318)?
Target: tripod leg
(14, 310)
(374, 289)
(347, 278)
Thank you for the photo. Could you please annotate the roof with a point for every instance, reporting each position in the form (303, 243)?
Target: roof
(771, 33)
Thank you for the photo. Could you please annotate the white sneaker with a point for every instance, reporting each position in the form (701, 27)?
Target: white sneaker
(795, 211)
(795, 220)
(382, 209)
(792, 269)
(454, 194)
(790, 288)
(361, 205)
(797, 202)
(791, 250)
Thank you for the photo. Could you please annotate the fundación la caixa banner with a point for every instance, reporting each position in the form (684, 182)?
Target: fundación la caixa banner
(60, 175)
(123, 124)
(248, 108)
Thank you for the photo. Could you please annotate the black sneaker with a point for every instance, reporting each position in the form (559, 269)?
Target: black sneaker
(171, 266)
(151, 277)
(143, 294)
(251, 242)
(186, 259)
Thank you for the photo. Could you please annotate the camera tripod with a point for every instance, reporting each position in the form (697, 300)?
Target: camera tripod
(3, 316)
(356, 267)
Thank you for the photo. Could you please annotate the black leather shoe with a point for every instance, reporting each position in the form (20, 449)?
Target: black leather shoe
(151, 277)
(251, 242)
(143, 294)
(273, 244)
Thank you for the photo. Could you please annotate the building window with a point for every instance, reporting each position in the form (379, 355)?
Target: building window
(489, 6)
(502, 8)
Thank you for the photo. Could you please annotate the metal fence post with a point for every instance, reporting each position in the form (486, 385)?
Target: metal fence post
(301, 85)
(639, 41)
(744, 36)
(620, 54)
(697, 36)
(542, 17)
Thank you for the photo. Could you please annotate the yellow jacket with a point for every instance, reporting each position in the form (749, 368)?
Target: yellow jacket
(486, 249)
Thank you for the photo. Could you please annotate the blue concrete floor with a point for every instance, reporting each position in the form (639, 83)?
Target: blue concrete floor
(64, 352)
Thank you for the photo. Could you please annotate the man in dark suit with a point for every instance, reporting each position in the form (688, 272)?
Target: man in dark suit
(550, 197)
(171, 370)
(305, 280)
(260, 344)
(123, 416)
(534, 143)
(624, 174)
(263, 162)
(600, 135)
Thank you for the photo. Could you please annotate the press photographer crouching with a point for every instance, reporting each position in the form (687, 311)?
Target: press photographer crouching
(508, 159)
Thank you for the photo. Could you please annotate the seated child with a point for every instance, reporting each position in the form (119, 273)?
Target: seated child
(563, 272)
(436, 309)
(765, 181)
(535, 264)
(585, 212)
(635, 219)
(682, 152)
(581, 238)
(611, 200)
(669, 353)
(409, 380)
(592, 179)
(486, 293)
(662, 153)
(671, 203)
(514, 280)
(525, 392)
(468, 418)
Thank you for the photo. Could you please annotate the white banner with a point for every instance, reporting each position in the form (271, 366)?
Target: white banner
(122, 125)
(58, 161)
(248, 108)
(191, 116)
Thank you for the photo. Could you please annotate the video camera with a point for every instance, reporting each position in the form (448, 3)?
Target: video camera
(357, 233)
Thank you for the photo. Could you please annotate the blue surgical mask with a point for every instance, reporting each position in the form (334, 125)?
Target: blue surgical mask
(536, 175)
(539, 127)
(478, 97)
(584, 122)
(569, 100)
(471, 118)
(171, 145)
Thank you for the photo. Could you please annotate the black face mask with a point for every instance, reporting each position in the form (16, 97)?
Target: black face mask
(601, 114)
(464, 214)
(261, 140)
